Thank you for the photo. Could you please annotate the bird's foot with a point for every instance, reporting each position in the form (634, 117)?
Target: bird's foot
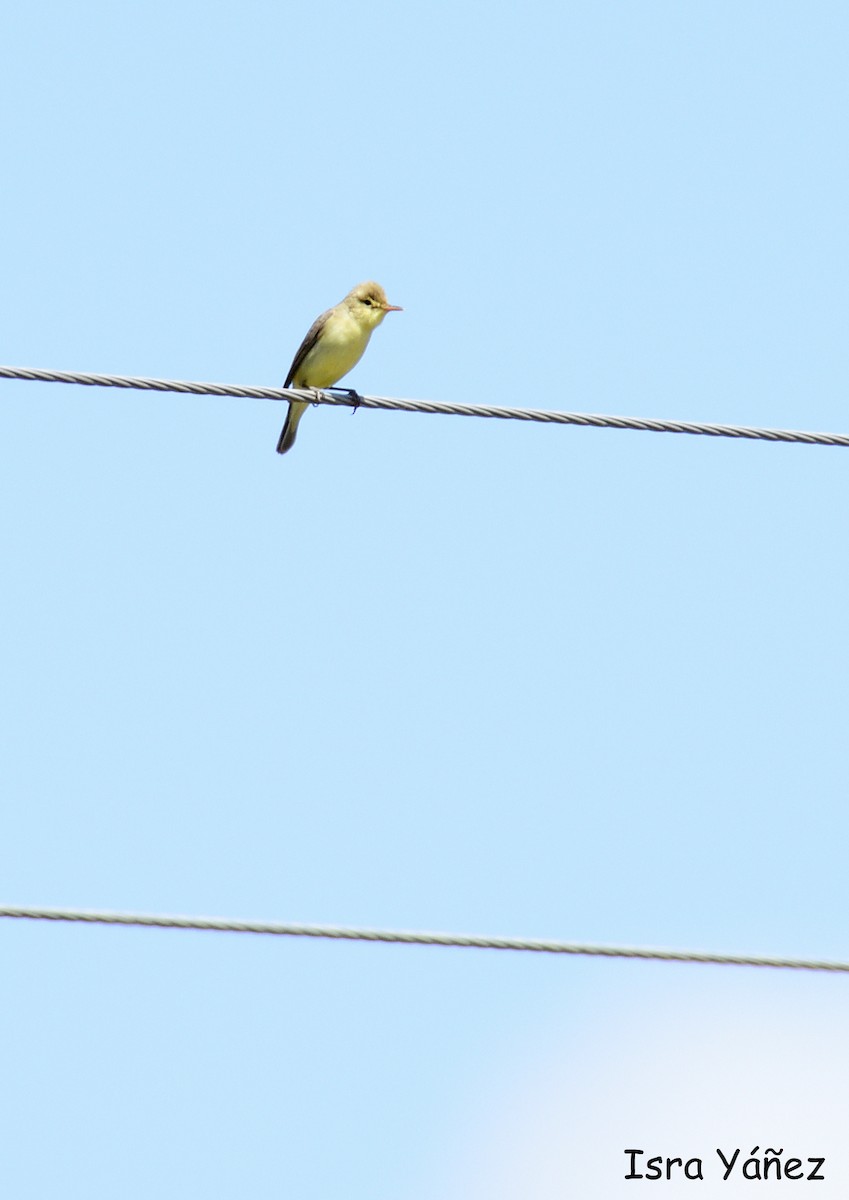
(317, 394)
(356, 398)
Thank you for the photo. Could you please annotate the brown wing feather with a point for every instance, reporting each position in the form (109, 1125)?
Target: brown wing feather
(305, 346)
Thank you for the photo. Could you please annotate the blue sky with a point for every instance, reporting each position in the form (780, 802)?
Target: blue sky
(422, 672)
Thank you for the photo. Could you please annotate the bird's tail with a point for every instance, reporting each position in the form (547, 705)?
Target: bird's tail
(297, 408)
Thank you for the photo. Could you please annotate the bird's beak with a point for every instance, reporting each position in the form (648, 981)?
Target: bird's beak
(392, 308)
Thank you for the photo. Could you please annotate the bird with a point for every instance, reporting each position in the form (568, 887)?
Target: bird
(334, 344)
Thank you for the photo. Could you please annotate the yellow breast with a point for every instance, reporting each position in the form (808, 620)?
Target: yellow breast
(340, 346)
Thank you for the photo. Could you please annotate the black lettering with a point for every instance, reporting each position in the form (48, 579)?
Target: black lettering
(653, 1170)
(729, 1166)
(698, 1174)
(634, 1173)
(774, 1161)
(818, 1162)
(755, 1164)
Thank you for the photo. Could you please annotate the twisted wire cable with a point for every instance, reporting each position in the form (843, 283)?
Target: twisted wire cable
(344, 397)
(412, 938)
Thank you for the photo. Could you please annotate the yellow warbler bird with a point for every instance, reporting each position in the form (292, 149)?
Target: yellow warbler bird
(335, 343)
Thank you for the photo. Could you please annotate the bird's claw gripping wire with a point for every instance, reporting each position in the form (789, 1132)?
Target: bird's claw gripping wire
(356, 398)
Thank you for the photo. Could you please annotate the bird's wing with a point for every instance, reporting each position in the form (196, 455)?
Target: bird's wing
(306, 345)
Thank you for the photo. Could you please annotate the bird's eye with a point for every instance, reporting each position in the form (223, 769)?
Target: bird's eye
(368, 300)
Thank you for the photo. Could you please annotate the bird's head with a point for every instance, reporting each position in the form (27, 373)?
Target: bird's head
(368, 304)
